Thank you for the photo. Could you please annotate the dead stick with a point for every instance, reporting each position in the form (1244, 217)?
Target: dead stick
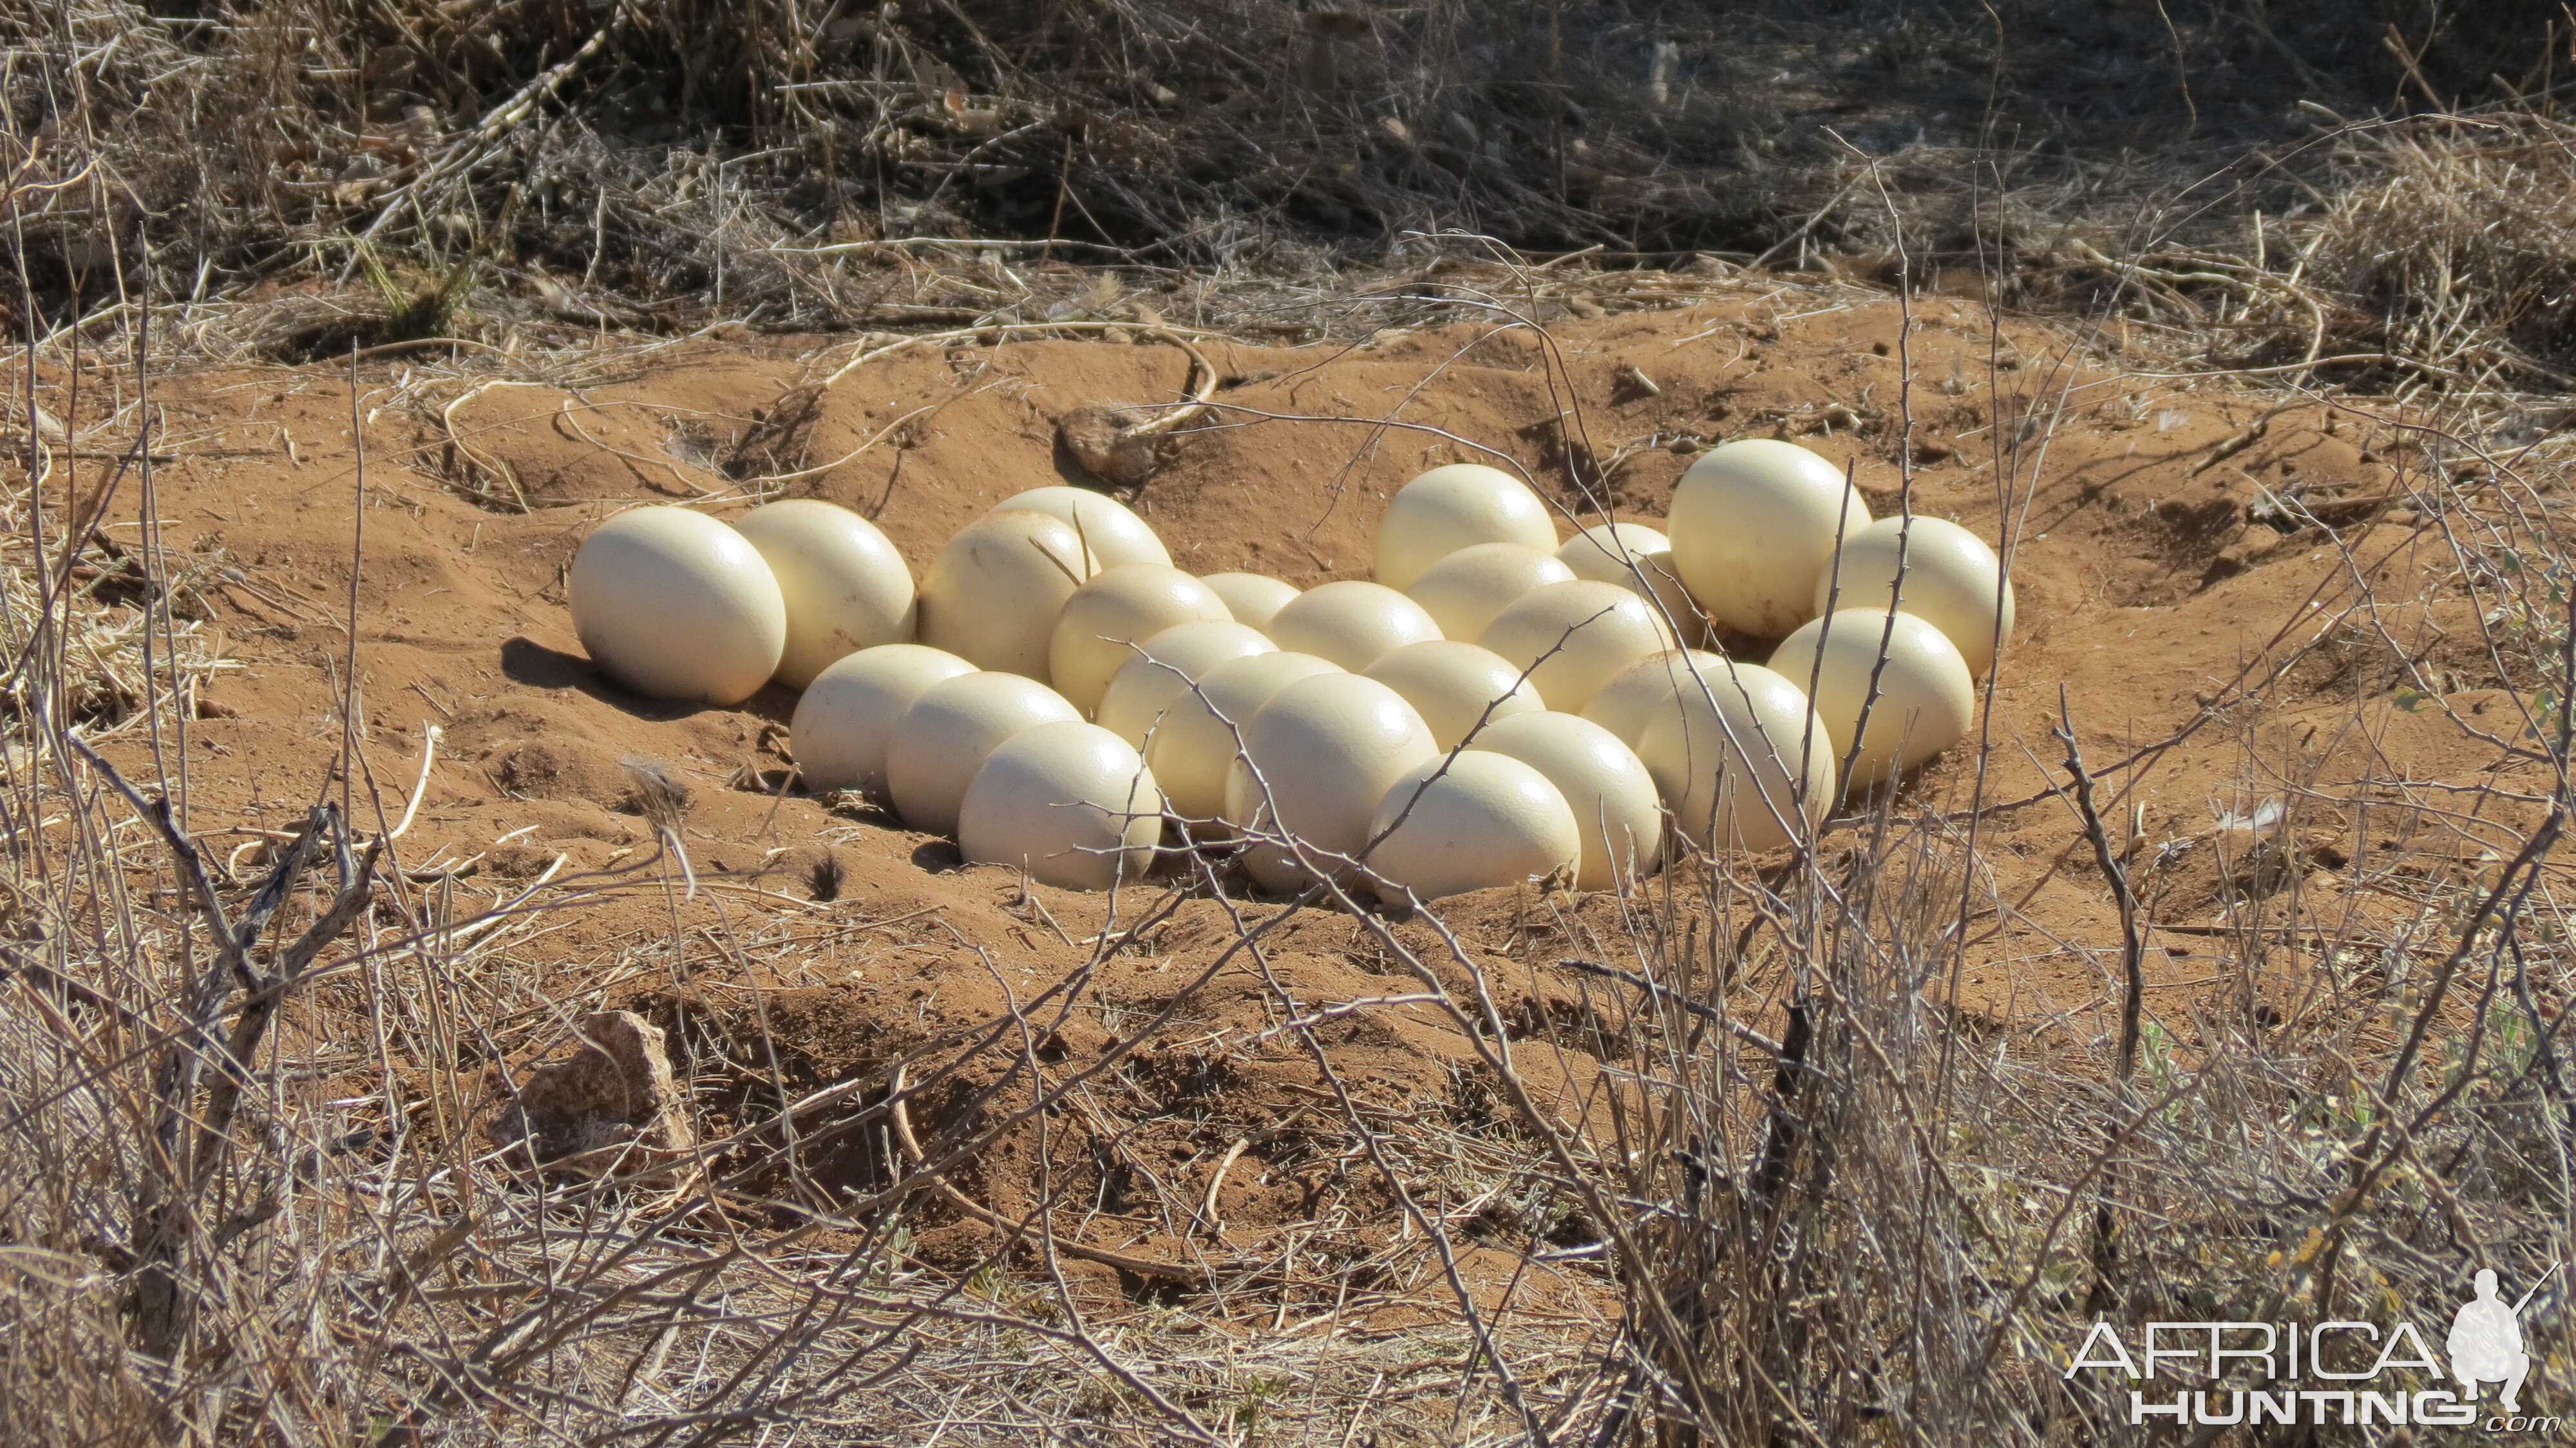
(2132, 996)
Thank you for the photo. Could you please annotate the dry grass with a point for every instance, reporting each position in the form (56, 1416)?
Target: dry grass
(2431, 256)
(665, 164)
(2447, 241)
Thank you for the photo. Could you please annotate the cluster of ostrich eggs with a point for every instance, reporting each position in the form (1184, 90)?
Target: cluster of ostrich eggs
(1884, 624)
(1496, 706)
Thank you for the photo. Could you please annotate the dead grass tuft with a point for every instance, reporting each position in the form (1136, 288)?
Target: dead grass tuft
(408, 169)
(2450, 241)
(77, 640)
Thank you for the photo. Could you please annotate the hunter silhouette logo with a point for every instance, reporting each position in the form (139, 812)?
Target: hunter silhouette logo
(2486, 1342)
(2340, 1372)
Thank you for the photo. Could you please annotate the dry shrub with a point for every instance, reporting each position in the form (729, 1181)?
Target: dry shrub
(1887, 1222)
(75, 637)
(658, 163)
(2429, 255)
(2451, 240)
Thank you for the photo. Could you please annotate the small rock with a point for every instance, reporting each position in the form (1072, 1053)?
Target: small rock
(1101, 440)
(613, 1106)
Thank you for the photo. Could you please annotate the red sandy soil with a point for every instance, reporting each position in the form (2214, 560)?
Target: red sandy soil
(2148, 604)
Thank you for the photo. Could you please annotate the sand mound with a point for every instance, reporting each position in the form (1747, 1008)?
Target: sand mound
(2160, 583)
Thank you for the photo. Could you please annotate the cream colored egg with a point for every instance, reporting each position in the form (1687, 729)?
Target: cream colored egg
(1728, 762)
(1646, 688)
(992, 595)
(943, 738)
(848, 713)
(1474, 822)
(1952, 581)
(1070, 803)
(1193, 749)
(1253, 598)
(1574, 637)
(1146, 685)
(1455, 686)
(1316, 760)
(1602, 551)
(1753, 523)
(845, 586)
(1454, 507)
(1612, 794)
(676, 605)
(1464, 591)
(1924, 701)
(1640, 560)
(1116, 535)
(1115, 608)
(1352, 623)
